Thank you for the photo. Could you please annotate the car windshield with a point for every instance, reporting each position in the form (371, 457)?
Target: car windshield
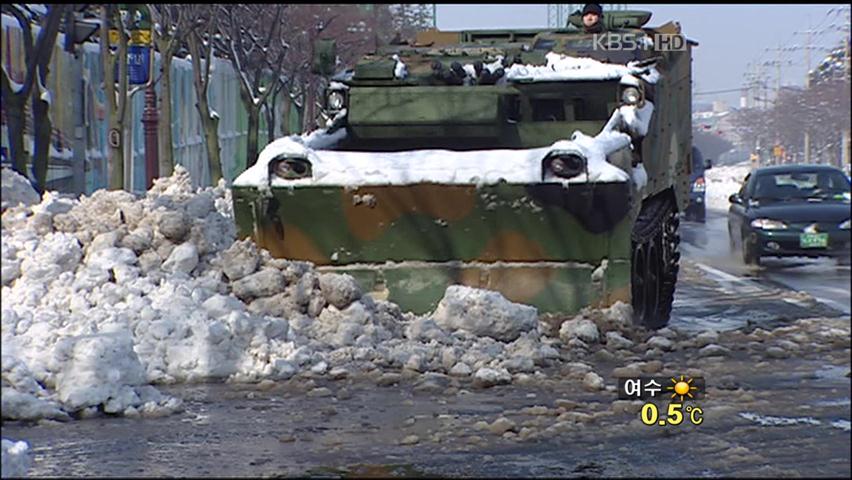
(803, 185)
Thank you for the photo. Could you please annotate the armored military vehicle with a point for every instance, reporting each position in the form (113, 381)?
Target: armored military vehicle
(548, 165)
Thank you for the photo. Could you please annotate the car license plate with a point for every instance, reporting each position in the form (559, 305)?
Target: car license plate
(813, 240)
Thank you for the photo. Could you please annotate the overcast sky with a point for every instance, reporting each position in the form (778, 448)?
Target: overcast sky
(730, 36)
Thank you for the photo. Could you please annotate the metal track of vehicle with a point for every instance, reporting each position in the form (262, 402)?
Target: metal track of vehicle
(655, 261)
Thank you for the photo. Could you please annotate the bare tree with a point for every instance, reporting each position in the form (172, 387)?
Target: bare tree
(251, 38)
(819, 110)
(116, 96)
(37, 58)
(118, 93)
(204, 24)
(360, 28)
(116, 103)
(170, 26)
(269, 108)
(42, 126)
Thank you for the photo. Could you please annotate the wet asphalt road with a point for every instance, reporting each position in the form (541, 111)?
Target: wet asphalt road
(823, 278)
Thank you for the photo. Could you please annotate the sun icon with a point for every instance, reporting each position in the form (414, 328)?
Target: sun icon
(681, 388)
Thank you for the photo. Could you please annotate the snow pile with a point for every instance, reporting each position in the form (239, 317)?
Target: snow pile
(628, 118)
(595, 150)
(639, 176)
(84, 280)
(722, 181)
(332, 167)
(567, 68)
(16, 190)
(483, 313)
(15, 459)
(106, 295)
(400, 70)
(477, 167)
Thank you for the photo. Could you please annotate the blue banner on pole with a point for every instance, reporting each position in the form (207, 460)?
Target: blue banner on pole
(138, 58)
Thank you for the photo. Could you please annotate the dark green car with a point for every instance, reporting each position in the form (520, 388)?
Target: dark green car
(791, 210)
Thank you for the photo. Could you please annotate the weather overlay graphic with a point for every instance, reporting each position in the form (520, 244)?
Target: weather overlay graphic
(683, 388)
(676, 390)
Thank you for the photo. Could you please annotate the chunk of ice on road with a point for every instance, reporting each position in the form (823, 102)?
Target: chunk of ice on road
(484, 313)
(770, 421)
(579, 328)
(488, 377)
(98, 369)
(16, 460)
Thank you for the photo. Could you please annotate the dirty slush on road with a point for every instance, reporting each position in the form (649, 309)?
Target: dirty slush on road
(366, 390)
(777, 405)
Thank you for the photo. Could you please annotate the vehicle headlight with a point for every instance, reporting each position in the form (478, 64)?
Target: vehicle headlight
(336, 100)
(290, 168)
(631, 96)
(768, 224)
(845, 225)
(566, 165)
(698, 185)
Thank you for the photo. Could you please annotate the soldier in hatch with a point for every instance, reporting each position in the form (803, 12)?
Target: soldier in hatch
(593, 18)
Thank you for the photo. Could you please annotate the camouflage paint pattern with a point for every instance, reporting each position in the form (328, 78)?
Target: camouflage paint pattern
(408, 243)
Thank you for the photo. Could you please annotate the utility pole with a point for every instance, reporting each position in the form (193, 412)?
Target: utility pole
(753, 86)
(777, 64)
(808, 47)
(807, 145)
(777, 74)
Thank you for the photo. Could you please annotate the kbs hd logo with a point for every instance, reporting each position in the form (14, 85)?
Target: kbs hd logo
(660, 42)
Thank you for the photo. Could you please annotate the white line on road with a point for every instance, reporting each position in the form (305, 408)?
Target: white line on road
(833, 304)
(748, 285)
(841, 291)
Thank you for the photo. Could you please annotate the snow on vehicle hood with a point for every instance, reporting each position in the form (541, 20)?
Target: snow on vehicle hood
(478, 167)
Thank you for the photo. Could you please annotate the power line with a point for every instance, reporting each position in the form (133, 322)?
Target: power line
(740, 89)
(816, 36)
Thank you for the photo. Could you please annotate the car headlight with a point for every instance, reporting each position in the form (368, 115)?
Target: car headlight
(336, 100)
(845, 225)
(631, 96)
(698, 185)
(768, 224)
(291, 168)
